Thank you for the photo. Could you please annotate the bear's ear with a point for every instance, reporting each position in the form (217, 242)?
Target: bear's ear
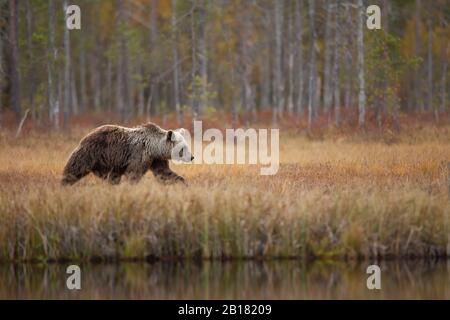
(169, 135)
(182, 131)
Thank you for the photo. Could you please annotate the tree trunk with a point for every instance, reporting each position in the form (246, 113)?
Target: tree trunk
(2, 77)
(361, 76)
(247, 97)
(348, 80)
(336, 78)
(14, 78)
(93, 77)
(194, 93)
(312, 65)
(444, 79)
(299, 45)
(140, 88)
(141, 100)
(53, 106)
(348, 59)
(122, 74)
(417, 83)
(279, 84)
(119, 93)
(430, 70)
(131, 75)
(318, 90)
(203, 55)
(67, 73)
(327, 90)
(176, 81)
(234, 101)
(153, 99)
(60, 92)
(31, 78)
(266, 81)
(74, 95)
(83, 95)
(291, 55)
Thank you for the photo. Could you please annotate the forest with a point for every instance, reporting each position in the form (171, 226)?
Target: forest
(300, 63)
(362, 116)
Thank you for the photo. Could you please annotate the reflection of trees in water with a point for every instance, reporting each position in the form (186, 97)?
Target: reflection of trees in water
(276, 279)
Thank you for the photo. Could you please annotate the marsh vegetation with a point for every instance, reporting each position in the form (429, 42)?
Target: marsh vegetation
(341, 196)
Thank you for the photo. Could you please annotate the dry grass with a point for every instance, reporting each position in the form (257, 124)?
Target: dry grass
(340, 196)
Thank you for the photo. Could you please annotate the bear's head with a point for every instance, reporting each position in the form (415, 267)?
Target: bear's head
(181, 150)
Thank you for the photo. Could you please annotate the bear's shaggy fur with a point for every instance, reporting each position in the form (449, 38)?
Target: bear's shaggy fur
(111, 151)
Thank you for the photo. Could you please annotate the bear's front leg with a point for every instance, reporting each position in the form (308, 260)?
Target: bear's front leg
(114, 178)
(162, 172)
(135, 177)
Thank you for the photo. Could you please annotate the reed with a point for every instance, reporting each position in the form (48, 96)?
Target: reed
(333, 198)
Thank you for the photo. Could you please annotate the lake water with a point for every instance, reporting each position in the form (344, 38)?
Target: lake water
(228, 280)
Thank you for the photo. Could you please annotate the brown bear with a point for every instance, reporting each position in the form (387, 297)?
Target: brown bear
(111, 151)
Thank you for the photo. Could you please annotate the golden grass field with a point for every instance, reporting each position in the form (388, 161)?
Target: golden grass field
(340, 196)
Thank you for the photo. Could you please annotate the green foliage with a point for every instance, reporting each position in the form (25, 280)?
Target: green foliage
(385, 64)
(203, 91)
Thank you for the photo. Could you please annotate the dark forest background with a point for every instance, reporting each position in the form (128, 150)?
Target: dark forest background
(310, 62)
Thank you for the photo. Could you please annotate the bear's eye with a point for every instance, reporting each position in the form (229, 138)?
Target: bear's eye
(181, 153)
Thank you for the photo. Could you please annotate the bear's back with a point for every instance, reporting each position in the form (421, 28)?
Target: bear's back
(106, 135)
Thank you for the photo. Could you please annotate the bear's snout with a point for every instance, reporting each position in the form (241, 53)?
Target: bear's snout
(192, 158)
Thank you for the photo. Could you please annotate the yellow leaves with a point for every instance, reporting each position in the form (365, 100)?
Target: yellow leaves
(408, 40)
(164, 8)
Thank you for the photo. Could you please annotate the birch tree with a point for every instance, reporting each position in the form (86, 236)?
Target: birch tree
(361, 76)
(348, 58)
(446, 52)
(31, 77)
(279, 87)
(53, 104)
(202, 54)
(312, 64)
(336, 78)
(14, 59)
(299, 45)
(141, 94)
(153, 99)
(82, 66)
(122, 72)
(327, 90)
(246, 61)
(67, 73)
(73, 94)
(95, 76)
(291, 55)
(176, 90)
(266, 85)
(194, 94)
(417, 83)
(430, 69)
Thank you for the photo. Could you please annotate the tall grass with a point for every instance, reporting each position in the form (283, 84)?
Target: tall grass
(338, 197)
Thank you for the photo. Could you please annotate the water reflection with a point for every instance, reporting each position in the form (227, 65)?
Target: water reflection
(228, 280)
